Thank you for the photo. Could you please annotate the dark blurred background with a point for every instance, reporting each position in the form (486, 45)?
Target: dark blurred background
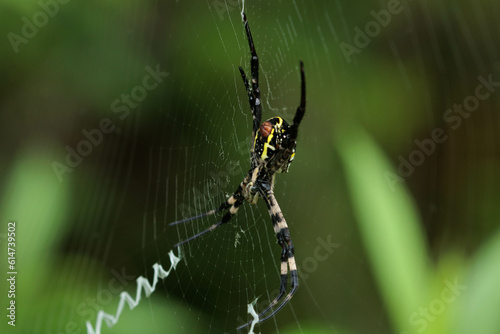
(120, 117)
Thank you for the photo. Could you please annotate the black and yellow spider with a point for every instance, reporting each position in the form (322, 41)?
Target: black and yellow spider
(272, 152)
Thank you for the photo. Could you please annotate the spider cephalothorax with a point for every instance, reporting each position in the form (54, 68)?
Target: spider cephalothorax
(273, 146)
(273, 149)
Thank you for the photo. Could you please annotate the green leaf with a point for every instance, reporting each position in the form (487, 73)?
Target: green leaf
(480, 303)
(389, 226)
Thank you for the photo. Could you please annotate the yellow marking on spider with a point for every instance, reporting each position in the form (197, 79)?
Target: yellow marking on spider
(266, 145)
(280, 121)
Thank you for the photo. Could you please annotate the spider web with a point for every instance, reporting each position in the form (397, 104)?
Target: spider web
(195, 169)
(185, 148)
(203, 154)
(238, 264)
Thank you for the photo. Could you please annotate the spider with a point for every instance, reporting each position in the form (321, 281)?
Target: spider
(273, 150)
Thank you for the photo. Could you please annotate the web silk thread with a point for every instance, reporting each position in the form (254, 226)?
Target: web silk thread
(142, 283)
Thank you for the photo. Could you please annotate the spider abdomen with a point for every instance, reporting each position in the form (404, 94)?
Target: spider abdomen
(273, 145)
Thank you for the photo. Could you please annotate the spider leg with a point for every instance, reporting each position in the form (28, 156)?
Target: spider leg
(222, 207)
(255, 102)
(232, 204)
(227, 217)
(287, 255)
(287, 258)
(247, 87)
(299, 114)
(185, 220)
(251, 98)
